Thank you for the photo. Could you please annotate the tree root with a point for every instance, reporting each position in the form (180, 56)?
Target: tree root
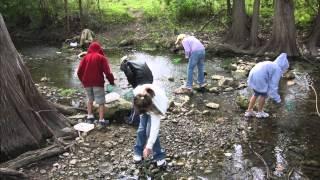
(261, 158)
(11, 174)
(33, 156)
(67, 110)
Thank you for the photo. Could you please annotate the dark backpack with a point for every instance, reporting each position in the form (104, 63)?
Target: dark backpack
(137, 72)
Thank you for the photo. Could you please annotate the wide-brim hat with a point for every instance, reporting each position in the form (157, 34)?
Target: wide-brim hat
(180, 38)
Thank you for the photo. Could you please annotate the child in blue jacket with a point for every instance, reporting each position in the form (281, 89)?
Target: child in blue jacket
(264, 79)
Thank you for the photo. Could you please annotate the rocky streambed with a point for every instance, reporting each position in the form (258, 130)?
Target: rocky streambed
(205, 134)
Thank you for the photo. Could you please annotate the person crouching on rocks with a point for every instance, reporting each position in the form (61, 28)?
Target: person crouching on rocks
(137, 73)
(151, 102)
(91, 73)
(264, 79)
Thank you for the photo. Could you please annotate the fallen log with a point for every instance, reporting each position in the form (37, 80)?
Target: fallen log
(11, 174)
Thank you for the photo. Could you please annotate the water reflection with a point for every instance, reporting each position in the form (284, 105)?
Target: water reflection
(281, 163)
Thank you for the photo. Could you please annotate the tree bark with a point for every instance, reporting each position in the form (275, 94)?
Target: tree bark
(283, 31)
(45, 15)
(34, 156)
(314, 38)
(254, 41)
(26, 117)
(229, 11)
(10, 174)
(81, 13)
(239, 32)
(67, 16)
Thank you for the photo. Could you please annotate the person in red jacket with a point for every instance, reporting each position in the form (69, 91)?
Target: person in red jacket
(90, 72)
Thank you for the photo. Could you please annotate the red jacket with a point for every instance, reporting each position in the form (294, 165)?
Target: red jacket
(93, 66)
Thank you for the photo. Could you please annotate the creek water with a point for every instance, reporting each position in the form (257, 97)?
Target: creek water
(289, 143)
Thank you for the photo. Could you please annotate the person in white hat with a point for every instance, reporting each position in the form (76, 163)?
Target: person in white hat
(195, 52)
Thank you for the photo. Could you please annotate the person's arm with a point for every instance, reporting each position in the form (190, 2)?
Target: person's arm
(81, 69)
(274, 86)
(154, 130)
(187, 48)
(107, 70)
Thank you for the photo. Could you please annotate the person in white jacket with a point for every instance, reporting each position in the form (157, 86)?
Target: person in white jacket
(151, 102)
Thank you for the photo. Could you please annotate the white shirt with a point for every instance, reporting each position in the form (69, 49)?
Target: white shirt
(161, 102)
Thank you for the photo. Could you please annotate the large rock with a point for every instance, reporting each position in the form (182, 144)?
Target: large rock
(126, 42)
(217, 77)
(242, 101)
(214, 90)
(117, 110)
(86, 37)
(226, 82)
(289, 75)
(239, 74)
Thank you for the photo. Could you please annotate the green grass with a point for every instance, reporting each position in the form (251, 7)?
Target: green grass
(67, 92)
(125, 10)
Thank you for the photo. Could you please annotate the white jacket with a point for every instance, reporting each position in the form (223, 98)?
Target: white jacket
(161, 102)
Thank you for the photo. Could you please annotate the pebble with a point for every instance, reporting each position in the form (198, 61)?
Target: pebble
(43, 171)
(213, 105)
(73, 162)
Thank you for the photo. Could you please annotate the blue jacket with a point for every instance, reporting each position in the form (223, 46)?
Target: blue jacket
(264, 77)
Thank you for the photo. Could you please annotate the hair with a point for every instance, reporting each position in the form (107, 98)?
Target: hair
(143, 102)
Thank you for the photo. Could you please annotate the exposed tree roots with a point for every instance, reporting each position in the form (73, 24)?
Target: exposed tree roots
(11, 174)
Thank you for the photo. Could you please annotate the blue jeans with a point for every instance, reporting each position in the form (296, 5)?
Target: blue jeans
(142, 136)
(196, 59)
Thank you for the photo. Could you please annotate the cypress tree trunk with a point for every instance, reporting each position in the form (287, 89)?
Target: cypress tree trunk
(81, 13)
(239, 33)
(26, 118)
(229, 10)
(283, 31)
(254, 42)
(66, 16)
(314, 39)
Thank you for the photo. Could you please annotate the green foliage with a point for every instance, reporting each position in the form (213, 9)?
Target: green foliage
(183, 9)
(48, 14)
(225, 64)
(67, 92)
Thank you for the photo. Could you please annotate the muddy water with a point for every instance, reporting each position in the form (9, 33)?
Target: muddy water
(289, 143)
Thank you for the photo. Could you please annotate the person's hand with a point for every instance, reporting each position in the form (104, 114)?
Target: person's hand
(146, 152)
(276, 101)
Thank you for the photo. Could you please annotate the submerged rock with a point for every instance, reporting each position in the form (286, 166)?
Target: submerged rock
(242, 101)
(239, 74)
(226, 82)
(214, 90)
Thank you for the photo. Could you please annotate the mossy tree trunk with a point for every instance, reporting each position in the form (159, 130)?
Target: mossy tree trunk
(254, 41)
(314, 39)
(67, 19)
(26, 119)
(229, 10)
(81, 13)
(283, 37)
(239, 33)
